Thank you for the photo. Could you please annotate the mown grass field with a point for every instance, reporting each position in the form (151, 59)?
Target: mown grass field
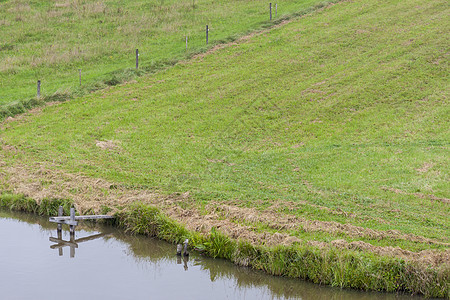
(339, 116)
(51, 40)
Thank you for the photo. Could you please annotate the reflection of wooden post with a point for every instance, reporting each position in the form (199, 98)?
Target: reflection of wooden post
(72, 240)
(185, 260)
(73, 243)
(59, 229)
(60, 250)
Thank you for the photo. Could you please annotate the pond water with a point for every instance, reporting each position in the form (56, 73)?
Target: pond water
(105, 263)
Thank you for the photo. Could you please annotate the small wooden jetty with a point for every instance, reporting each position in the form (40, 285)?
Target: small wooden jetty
(72, 220)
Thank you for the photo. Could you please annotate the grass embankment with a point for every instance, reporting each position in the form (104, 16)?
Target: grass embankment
(50, 41)
(335, 123)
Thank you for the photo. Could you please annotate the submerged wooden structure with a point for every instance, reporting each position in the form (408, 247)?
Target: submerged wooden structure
(72, 220)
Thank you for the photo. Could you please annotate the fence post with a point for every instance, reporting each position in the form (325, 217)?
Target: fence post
(270, 10)
(39, 89)
(137, 59)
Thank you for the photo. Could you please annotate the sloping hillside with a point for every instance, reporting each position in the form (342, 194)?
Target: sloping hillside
(331, 130)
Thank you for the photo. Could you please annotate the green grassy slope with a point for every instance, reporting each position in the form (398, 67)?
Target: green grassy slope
(345, 109)
(51, 40)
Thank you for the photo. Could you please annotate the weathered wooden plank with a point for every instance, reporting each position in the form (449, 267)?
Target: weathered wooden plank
(78, 218)
(64, 221)
(60, 214)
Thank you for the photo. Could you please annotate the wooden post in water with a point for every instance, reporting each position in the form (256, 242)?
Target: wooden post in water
(185, 252)
(72, 219)
(60, 214)
(207, 30)
(137, 59)
(59, 229)
(39, 89)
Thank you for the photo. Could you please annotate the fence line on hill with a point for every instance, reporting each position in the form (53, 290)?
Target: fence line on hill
(38, 91)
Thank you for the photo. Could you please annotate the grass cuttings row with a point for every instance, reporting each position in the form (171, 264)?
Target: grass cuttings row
(50, 41)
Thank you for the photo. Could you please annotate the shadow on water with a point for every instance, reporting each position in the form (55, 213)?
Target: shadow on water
(144, 250)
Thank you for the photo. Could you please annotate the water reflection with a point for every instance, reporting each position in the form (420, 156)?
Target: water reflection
(185, 261)
(148, 267)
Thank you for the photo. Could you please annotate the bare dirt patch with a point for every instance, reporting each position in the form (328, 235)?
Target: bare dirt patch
(8, 148)
(425, 167)
(107, 145)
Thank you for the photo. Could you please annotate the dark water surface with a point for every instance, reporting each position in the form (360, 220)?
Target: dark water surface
(113, 265)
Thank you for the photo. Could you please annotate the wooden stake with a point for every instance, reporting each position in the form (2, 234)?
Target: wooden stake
(60, 214)
(137, 59)
(270, 10)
